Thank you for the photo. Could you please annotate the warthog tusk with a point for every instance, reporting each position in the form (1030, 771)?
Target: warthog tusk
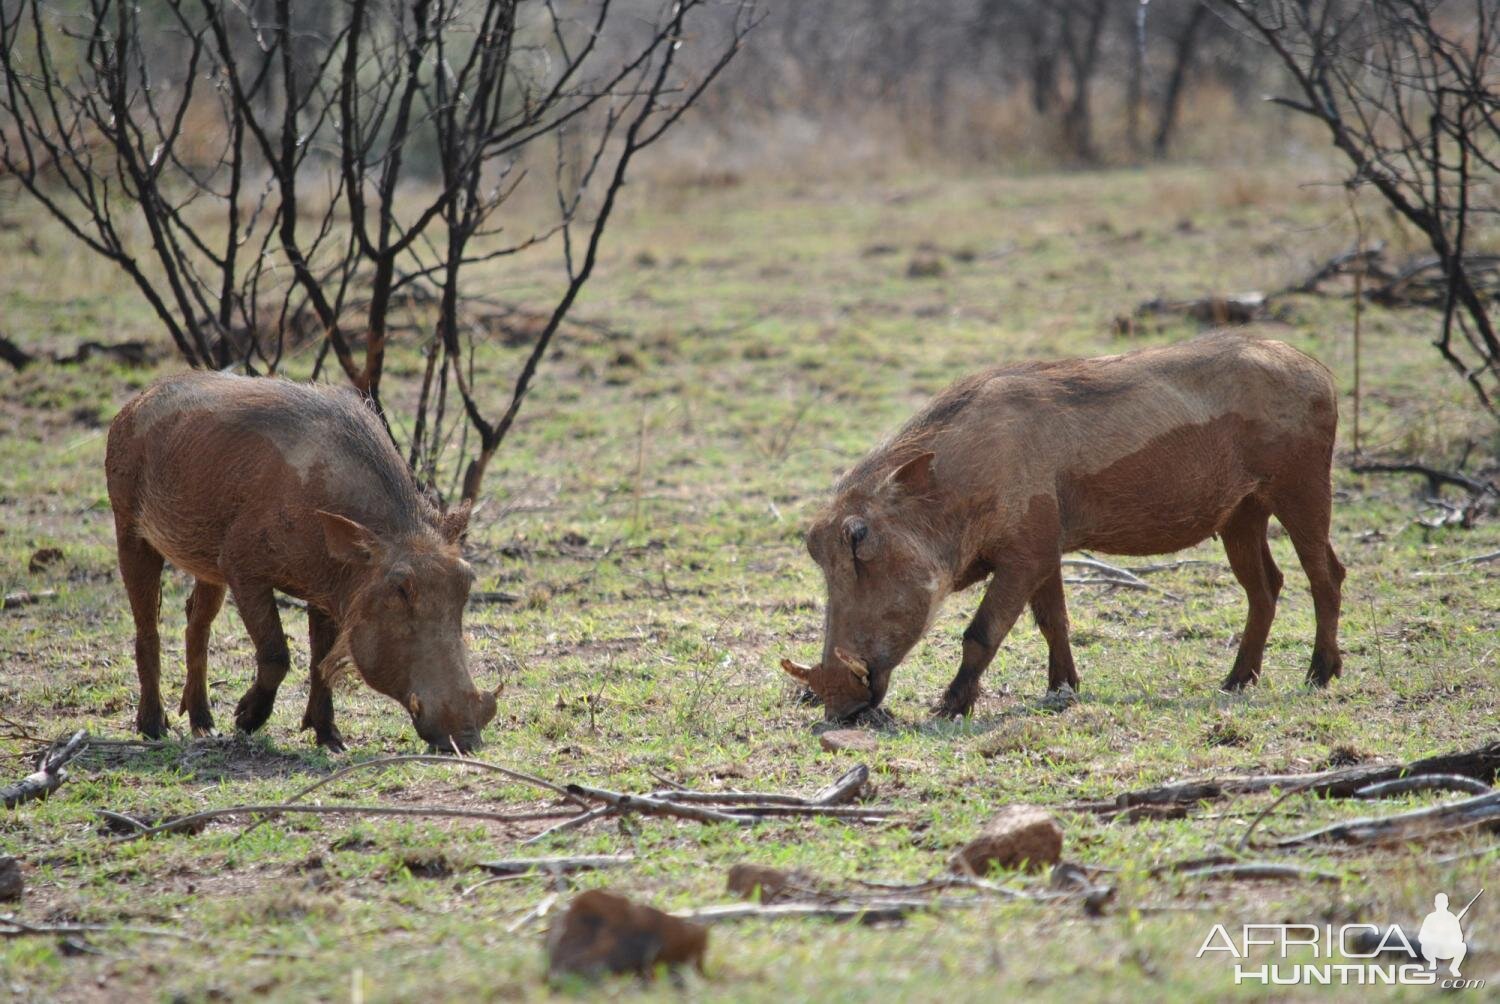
(496, 692)
(855, 666)
(796, 671)
(414, 703)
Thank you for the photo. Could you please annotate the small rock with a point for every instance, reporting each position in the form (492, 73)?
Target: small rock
(42, 559)
(1019, 835)
(848, 739)
(925, 266)
(11, 882)
(745, 879)
(603, 932)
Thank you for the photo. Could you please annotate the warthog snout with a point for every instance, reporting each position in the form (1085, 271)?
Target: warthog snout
(843, 684)
(455, 724)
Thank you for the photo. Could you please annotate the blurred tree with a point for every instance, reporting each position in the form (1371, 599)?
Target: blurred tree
(260, 171)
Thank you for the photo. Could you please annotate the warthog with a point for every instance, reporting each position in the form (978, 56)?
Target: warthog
(1007, 470)
(255, 485)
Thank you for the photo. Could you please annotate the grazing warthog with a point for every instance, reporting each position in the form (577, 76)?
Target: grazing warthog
(1007, 470)
(254, 485)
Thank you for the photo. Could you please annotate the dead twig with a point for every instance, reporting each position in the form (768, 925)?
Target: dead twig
(572, 823)
(1256, 871)
(437, 758)
(648, 806)
(1435, 477)
(1481, 763)
(869, 912)
(50, 773)
(186, 822)
(1404, 826)
(25, 598)
(14, 927)
(1112, 575)
(555, 866)
(1424, 782)
(1477, 559)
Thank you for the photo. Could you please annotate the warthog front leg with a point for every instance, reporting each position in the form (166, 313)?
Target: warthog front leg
(322, 632)
(257, 605)
(1004, 598)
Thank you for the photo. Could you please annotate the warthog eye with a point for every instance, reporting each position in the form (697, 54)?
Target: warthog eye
(855, 530)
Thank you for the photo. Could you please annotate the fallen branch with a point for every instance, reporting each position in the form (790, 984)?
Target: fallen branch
(845, 789)
(573, 823)
(1404, 826)
(182, 823)
(25, 598)
(1111, 575)
(50, 773)
(555, 866)
(437, 758)
(648, 806)
(1423, 782)
(13, 927)
(1257, 871)
(869, 912)
(1482, 764)
(1435, 477)
(1477, 559)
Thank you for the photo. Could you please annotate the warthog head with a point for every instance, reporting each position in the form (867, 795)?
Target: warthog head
(885, 583)
(403, 626)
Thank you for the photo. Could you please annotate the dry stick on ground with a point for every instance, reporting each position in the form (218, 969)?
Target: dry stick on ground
(1424, 782)
(1256, 870)
(1482, 763)
(1403, 826)
(871, 911)
(555, 866)
(647, 806)
(845, 789)
(1112, 575)
(573, 823)
(1477, 559)
(185, 822)
(1434, 476)
(438, 758)
(12, 927)
(26, 598)
(50, 773)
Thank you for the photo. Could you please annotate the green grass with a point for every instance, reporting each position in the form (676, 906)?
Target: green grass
(765, 350)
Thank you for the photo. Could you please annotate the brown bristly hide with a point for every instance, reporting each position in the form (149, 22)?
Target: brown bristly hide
(1008, 469)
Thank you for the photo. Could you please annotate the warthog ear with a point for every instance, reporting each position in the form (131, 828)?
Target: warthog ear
(347, 540)
(856, 667)
(913, 477)
(455, 521)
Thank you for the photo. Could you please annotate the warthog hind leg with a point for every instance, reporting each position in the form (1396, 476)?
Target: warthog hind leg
(140, 571)
(1244, 538)
(1049, 608)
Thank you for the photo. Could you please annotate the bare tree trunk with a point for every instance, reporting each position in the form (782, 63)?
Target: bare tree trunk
(1183, 51)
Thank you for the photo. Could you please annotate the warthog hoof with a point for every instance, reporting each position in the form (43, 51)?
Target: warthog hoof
(329, 737)
(151, 722)
(253, 710)
(1324, 669)
(956, 704)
